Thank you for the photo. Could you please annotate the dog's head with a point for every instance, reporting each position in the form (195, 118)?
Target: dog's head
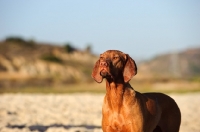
(114, 65)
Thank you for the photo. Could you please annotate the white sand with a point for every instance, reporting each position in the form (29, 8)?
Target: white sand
(74, 112)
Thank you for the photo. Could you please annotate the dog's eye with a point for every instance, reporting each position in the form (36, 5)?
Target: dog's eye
(115, 57)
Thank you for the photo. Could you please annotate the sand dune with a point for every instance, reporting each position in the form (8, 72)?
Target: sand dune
(74, 112)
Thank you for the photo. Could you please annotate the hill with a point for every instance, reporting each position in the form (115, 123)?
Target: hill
(184, 65)
(25, 63)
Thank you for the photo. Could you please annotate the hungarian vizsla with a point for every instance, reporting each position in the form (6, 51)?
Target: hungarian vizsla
(126, 110)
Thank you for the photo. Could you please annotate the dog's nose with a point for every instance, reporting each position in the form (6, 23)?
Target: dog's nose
(103, 63)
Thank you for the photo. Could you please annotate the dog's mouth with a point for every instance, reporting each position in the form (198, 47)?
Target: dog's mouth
(104, 73)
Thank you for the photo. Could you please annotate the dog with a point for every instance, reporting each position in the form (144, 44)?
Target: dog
(126, 110)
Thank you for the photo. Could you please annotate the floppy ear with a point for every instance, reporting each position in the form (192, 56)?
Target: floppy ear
(130, 69)
(96, 73)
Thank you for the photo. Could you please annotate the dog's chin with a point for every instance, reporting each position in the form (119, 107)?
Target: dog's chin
(104, 74)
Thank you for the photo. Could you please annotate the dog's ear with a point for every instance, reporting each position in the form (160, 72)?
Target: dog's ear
(130, 69)
(96, 73)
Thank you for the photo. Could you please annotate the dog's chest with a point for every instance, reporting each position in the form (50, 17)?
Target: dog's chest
(116, 122)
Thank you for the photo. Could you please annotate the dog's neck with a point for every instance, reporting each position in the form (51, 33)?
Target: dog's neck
(115, 94)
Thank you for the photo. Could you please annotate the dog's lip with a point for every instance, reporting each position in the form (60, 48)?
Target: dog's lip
(104, 73)
(103, 69)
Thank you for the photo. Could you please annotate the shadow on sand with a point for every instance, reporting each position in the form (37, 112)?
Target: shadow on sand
(42, 128)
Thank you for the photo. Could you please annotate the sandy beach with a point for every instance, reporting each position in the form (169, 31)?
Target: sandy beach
(74, 112)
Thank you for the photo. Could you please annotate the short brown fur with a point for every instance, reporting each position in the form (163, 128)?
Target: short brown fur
(126, 110)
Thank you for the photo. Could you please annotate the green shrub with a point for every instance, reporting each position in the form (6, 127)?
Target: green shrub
(15, 40)
(20, 41)
(68, 48)
(51, 58)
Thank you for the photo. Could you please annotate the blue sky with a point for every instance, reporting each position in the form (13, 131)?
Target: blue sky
(142, 28)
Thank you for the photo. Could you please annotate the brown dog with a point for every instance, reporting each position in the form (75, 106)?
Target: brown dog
(126, 110)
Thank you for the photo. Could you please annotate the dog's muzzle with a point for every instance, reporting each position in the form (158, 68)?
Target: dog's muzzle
(104, 72)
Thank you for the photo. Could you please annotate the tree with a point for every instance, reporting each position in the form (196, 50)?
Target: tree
(69, 48)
